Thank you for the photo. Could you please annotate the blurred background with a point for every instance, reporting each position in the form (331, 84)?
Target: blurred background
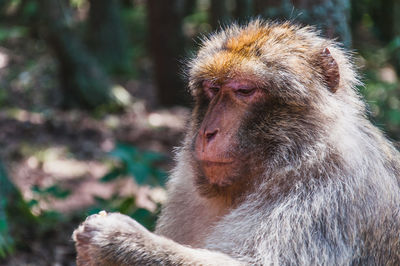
(93, 100)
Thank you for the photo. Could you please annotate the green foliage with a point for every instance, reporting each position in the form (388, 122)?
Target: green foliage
(78, 3)
(16, 219)
(30, 9)
(13, 210)
(384, 103)
(394, 44)
(382, 88)
(14, 32)
(194, 25)
(130, 161)
(54, 191)
(146, 218)
(126, 205)
(48, 193)
(6, 240)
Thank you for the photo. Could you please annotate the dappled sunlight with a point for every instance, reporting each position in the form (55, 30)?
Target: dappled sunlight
(54, 160)
(55, 167)
(158, 194)
(68, 151)
(163, 118)
(148, 198)
(388, 74)
(81, 197)
(26, 116)
(4, 58)
(88, 190)
(62, 169)
(122, 95)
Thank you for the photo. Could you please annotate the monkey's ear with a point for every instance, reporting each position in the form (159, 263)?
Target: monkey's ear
(330, 70)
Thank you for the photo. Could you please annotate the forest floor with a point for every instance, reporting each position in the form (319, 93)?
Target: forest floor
(44, 146)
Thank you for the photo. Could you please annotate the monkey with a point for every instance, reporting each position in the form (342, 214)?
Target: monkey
(280, 164)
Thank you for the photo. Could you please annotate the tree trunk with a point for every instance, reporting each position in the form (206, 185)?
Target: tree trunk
(127, 3)
(219, 15)
(83, 82)
(106, 36)
(189, 7)
(166, 46)
(243, 10)
(383, 15)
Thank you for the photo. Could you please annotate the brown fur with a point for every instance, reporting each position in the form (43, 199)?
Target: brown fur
(321, 185)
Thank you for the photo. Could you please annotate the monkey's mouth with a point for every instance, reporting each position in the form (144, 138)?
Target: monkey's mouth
(216, 162)
(207, 160)
(217, 172)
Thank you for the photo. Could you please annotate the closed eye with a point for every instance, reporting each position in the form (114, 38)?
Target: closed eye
(214, 90)
(211, 91)
(245, 92)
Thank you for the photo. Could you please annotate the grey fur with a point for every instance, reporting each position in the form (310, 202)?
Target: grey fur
(329, 193)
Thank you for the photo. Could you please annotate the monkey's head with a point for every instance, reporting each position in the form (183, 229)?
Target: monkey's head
(265, 95)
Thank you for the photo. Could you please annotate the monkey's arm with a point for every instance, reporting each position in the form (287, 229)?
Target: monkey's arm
(116, 239)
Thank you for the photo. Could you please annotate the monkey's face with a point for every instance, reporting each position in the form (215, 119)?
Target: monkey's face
(216, 144)
(263, 96)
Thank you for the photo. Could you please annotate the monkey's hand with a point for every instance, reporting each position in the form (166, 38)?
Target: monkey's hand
(105, 239)
(116, 239)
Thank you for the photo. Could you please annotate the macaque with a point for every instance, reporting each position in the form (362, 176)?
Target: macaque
(279, 166)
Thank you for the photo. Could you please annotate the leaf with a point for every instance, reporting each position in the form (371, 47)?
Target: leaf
(57, 192)
(152, 156)
(394, 116)
(139, 171)
(99, 199)
(394, 44)
(126, 205)
(161, 176)
(113, 174)
(33, 202)
(145, 217)
(137, 164)
(124, 152)
(36, 189)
